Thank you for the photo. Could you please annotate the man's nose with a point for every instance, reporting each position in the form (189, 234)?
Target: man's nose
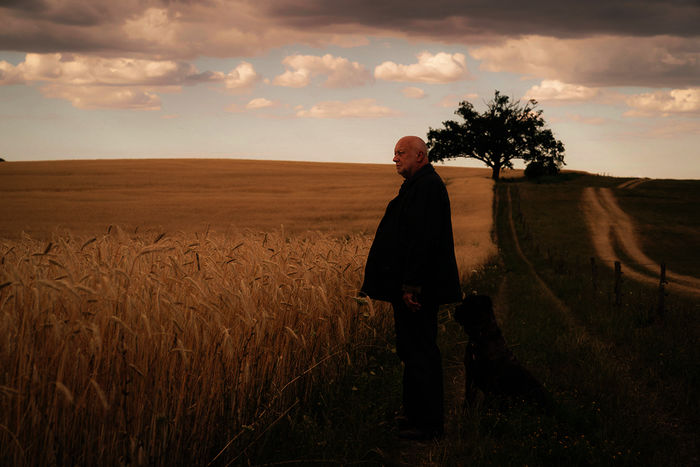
(396, 158)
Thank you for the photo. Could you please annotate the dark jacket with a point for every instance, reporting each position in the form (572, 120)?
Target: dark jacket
(413, 249)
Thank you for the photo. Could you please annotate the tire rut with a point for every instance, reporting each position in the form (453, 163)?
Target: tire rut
(604, 350)
(610, 225)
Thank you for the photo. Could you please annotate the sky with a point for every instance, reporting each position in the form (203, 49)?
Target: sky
(618, 81)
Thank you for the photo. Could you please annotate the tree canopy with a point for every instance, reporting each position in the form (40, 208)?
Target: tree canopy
(505, 131)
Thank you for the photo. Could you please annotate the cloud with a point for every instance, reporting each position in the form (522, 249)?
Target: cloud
(659, 61)
(89, 70)
(413, 93)
(460, 20)
(340, 71)
(101, 97)
(155, 29)
(553, 90)
(186, 29)
(359, 108)
(10, 74)
(124, 83)
(435, 69)
(665, 103)
(242, 77)
(259, 103)
(655, 43)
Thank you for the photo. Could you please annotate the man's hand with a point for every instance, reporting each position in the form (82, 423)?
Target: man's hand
(411, 301)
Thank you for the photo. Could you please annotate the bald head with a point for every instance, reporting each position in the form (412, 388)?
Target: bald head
(410, 155)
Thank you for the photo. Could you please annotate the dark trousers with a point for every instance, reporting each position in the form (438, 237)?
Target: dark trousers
(416, 346)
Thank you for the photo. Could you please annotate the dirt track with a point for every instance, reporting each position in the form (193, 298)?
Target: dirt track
(610, 226)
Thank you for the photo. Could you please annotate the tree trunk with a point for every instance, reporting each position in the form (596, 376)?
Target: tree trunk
(496, 172)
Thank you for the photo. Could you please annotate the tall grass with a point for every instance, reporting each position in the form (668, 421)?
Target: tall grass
(151, 349)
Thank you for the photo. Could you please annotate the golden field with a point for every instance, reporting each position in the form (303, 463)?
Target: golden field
(162, 310)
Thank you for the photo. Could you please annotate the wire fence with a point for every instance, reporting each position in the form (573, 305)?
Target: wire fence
(579, 265)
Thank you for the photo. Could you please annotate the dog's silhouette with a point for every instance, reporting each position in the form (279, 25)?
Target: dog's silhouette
(489, 364)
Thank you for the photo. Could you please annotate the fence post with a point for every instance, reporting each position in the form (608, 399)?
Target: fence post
(594, 274)
(662, 292)
(618, 280)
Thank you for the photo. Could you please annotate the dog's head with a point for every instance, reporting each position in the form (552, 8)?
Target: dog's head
(475, 313)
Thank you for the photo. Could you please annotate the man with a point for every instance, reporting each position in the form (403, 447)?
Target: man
(412, 265)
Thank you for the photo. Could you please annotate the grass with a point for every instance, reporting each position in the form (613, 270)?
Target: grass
(626, 382)
(150, 349)
(667, 211)
(131, 337)
(624, 379)
(197, 195)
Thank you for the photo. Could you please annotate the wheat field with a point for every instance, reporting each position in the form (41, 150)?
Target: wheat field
(153, 342)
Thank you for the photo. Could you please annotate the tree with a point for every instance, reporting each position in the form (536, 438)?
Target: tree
(503, 132)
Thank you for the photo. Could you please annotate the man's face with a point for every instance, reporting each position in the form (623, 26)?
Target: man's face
(405, 158)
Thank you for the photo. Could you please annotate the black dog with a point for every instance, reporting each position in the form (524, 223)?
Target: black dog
(489, 364)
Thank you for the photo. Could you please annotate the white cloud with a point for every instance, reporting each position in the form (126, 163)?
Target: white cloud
(10, 74)
(413, 92)
(597, 61)
(102, 97)
(97, 82)
(435, 69)
(359, 108)
(85, 70)
(259, 103)
(340, 71)
(665, 103)
(242, 77)
(553, 90)
(293, 79)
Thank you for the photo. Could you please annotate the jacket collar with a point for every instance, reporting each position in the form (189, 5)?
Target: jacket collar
(423, 171)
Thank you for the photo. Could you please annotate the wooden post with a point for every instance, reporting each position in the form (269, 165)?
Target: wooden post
(594, 274)
(618, 280)
(660, 310)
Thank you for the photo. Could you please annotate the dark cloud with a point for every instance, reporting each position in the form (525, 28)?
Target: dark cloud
(26, 5)
(71, 12)
(143, 28)
(613, 31)
(98, 25)
(454, 18)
